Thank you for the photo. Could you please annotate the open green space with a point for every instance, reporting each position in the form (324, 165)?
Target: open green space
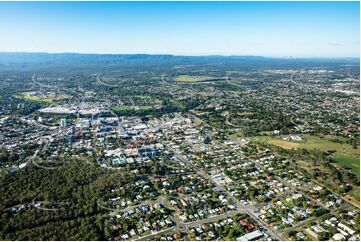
(122, 108)
(188, 78)
(178, 103)
(142, 108)
(345, 154)
(54, 122)
(128, 108)
(34, 98)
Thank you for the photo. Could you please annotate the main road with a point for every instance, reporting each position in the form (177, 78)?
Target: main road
(240, 207)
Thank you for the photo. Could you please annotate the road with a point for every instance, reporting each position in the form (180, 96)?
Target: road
(299, 190)
(34, 80)
(60, 204)
(215, 218)
(227, 78)
(183, 227)
(162, 78)
(98, 80)
(304, 222)
(240, 207)
(291, 78)
(147, 202)
(230, 124)
(150, 236)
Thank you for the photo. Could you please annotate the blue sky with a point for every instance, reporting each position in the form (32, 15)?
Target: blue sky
(304, 29)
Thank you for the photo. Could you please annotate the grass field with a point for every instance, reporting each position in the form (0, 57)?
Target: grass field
(142, 108)
(345, 155)
(187, 78)
(34, 98)
(128, 108)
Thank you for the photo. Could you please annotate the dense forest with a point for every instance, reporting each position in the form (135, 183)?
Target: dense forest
(73, 190)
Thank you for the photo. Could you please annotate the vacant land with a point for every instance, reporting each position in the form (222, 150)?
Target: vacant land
(187, 78)
(345, 155)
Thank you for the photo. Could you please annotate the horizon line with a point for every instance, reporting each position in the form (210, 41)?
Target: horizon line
(187, 55)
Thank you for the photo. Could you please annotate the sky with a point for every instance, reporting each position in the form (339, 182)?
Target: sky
(298, 29)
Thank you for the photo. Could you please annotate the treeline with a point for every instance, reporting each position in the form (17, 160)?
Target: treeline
(75, 188)
(322, 167)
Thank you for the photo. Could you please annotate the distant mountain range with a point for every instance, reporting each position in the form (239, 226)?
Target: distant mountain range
(26, 60)
(21, 57)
